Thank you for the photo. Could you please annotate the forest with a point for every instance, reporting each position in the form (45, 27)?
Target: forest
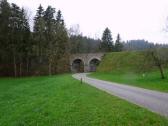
(24, 52)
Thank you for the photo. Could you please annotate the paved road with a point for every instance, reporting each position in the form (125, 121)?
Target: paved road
(152, 100)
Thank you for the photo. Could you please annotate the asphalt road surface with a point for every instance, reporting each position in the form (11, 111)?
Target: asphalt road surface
(152, 100)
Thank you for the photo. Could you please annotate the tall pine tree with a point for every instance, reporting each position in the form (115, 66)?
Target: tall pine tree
(49, 34)
(39, 33)
(5, 13)
(19, 38)
(25, 45)
(62, 45)
(15, 35)
(107, 41)
(118, 44)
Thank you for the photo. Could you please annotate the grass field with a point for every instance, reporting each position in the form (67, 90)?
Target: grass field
(63, 101)
(150, 80)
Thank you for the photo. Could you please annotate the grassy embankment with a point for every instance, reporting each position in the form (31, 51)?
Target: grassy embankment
(63, 101)
(128, 68)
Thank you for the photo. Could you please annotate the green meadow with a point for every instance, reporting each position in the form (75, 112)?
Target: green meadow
(63, 101)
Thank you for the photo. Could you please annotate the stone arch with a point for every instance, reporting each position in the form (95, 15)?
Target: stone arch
(93, 63)
(77, 65)
(86, 59)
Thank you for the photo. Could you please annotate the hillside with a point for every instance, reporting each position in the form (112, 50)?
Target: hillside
(122, 62)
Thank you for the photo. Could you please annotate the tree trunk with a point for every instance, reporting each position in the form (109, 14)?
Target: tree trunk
(158, 64)
(27, 66)
(40, 49)
(20, 66)
(14, 65)
(40, 54)
(49, 68)
(20, 72)
(161, 72)
(49, 65)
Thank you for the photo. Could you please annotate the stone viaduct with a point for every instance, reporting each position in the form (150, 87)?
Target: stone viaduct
(85, 62)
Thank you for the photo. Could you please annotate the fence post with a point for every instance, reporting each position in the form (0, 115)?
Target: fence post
(81, 80)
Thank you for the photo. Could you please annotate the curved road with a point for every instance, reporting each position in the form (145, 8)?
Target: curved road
(152, 100)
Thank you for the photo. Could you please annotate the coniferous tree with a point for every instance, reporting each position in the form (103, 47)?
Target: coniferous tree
(49, 32)
(5, 13)
(118, 44)
(107, 41)
(15, 35)
(19, 37)
(62, 45)
(24, 43)
(39, 33)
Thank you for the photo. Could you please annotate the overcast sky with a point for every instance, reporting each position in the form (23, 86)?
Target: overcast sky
(133, 19)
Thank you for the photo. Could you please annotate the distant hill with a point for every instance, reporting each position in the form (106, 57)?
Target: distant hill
(141, 45)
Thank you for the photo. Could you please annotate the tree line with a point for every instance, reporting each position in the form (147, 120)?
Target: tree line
(132, 45)
(23, 52)
(82, 44)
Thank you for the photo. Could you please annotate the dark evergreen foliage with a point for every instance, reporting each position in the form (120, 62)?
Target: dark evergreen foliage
(107, 41)
(39, 34)
(118, 44)
(81, 44)
(23, 52)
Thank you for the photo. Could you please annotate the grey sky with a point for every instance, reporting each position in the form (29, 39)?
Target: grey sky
(133, 19)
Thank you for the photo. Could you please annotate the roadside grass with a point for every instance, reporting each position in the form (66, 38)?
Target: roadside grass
(63, 101)
(149, 80)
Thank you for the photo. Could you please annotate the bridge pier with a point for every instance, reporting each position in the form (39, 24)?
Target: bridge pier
(84, 62)
(86, 68)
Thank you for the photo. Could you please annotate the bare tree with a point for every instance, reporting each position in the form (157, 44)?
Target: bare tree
(74, 30)
(158, 57)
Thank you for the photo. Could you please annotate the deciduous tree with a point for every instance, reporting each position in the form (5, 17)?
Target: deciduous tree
(158, 57)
